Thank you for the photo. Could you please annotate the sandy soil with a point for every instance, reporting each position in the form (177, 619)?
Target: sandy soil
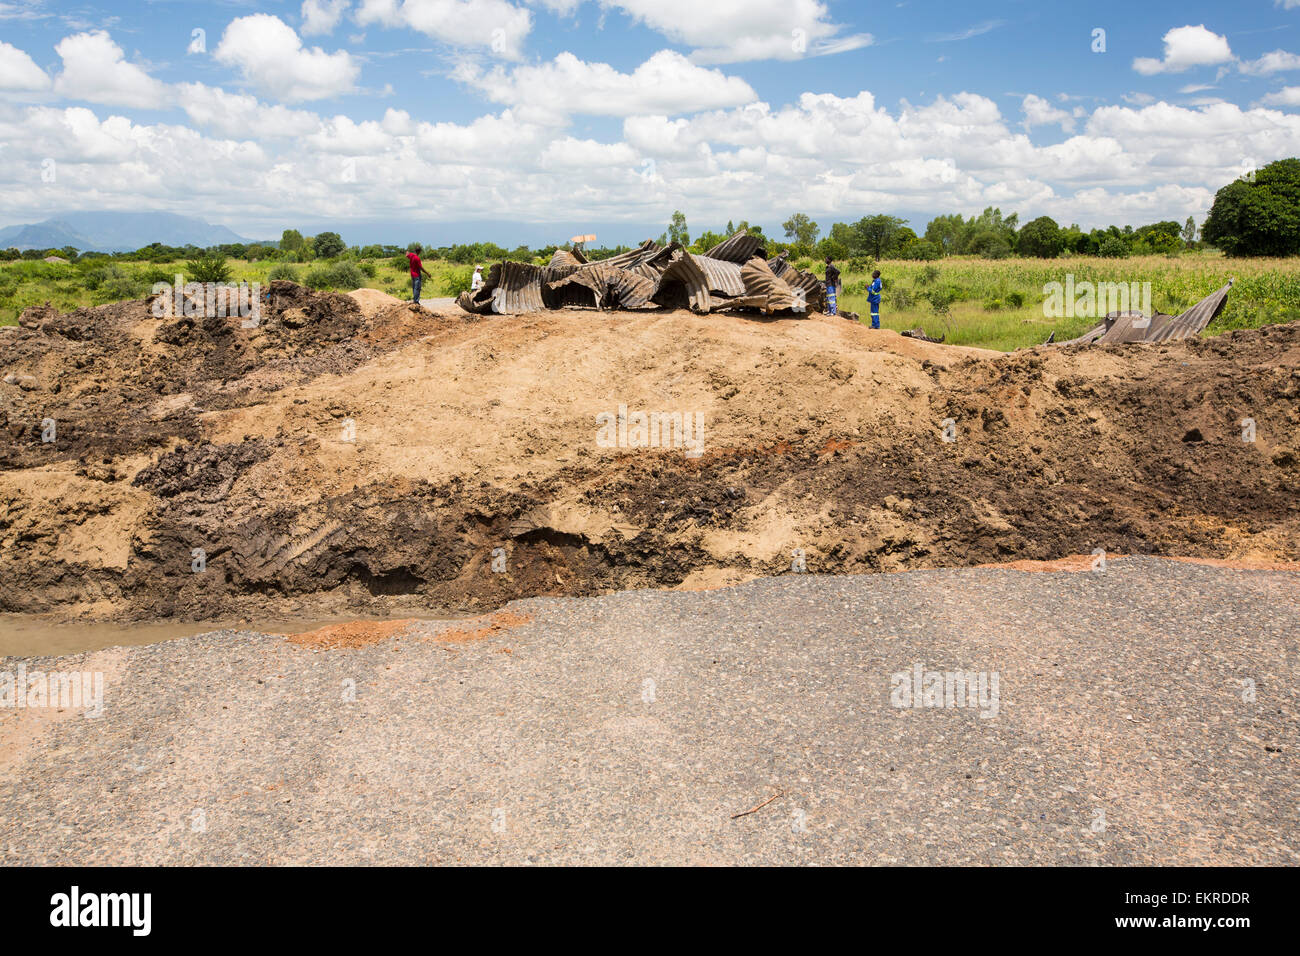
(370, 457)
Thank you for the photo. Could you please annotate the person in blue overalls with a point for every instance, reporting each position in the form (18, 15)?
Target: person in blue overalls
(873, 297)
(832, 287)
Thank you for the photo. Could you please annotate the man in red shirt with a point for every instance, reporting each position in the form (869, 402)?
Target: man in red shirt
(417, 272)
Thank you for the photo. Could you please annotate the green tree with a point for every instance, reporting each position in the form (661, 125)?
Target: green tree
(1259, 217)
(800, 229)
(1042, 238)
(291, 240)
(1113, 247)
(677, 230)
(329, 245)
(1189, 232)
(877, 232)
(946, 232)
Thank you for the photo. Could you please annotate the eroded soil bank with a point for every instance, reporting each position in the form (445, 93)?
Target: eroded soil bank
(346, 459)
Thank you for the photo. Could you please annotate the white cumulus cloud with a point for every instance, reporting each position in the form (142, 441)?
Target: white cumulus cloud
(95, 70)
(18, 71)
(270, 55)
(732, 31)
(322, 16)
(493, 25)
(666, 83)
(1186, 47)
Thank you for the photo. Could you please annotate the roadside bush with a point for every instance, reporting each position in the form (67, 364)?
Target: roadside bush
(455, 281)
(338, 275)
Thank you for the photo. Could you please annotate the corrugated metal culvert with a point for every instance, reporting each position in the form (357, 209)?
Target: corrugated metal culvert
(732, 276)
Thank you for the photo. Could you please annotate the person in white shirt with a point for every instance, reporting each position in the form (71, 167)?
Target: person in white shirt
(476, 283)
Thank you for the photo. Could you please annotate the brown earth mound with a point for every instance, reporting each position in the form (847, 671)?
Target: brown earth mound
(342, 462)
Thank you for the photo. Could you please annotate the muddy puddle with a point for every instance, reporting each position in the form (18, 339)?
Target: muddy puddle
(33, 635)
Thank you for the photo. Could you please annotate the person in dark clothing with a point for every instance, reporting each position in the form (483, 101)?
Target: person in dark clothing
(832, 287)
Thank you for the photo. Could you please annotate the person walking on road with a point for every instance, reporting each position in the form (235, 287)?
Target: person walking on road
(873, 297)
(418, 272)
(832, 288)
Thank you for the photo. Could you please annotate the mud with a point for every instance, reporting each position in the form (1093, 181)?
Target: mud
(340, 460)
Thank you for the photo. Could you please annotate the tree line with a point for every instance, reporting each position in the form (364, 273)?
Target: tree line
(1255, 215)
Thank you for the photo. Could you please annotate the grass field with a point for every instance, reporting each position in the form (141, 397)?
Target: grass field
(994, 303)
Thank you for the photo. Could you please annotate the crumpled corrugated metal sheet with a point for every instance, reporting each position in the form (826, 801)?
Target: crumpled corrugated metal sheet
(1128, 328)
(703, 279)
(649, 276)
(772, 294)
(612, 287)
(739, 249)
(563, 257)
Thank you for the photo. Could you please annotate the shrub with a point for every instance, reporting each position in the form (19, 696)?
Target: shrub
(941, 299)
(862, 264)
(900, 299)
(1113, 248)
(1015, 299)
(803, 264)
(368, 268)
(282, 270)
(208, 267)
(928, 276)
(338, 275)
(993, 305)
(455, 281)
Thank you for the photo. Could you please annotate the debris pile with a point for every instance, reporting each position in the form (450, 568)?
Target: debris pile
(1129, 327)
(734, 275)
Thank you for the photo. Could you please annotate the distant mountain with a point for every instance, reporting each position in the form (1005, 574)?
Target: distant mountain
(115, 232)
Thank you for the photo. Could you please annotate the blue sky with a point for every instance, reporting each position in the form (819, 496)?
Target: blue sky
(553, 116)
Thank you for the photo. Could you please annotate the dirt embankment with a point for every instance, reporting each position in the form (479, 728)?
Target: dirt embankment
(346, 459)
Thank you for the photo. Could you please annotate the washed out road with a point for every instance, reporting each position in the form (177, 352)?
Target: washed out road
(1144, 714)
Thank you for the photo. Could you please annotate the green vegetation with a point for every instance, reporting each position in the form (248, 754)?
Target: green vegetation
(998, 303)
(979, 279)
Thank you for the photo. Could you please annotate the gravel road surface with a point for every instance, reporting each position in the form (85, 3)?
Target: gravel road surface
(1144, 714)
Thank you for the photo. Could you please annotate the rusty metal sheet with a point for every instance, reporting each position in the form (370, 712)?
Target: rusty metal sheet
(773, 293)
(611, 286)
(739, 249)
(563, 257)
(703, 279)
(1193, 322)
(1129, 328)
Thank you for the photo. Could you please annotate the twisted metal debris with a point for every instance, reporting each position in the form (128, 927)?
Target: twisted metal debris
(735, 275)
(1122, 328)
